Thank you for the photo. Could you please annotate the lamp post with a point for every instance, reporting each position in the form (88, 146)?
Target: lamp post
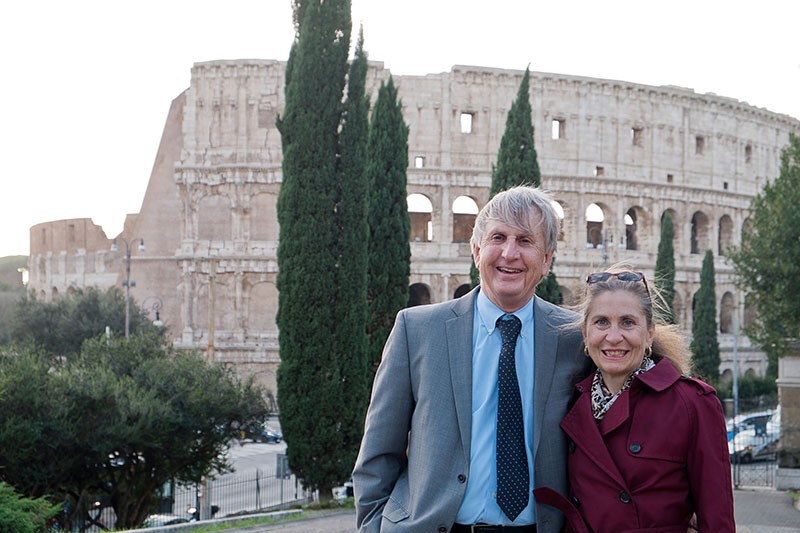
(127, 282)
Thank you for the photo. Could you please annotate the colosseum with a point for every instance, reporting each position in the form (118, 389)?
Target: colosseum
(616, 155)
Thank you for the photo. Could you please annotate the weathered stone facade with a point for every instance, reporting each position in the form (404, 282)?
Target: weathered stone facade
(636, 152)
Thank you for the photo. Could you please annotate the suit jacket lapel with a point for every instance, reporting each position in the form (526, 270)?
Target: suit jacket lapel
(459, 347)
(545, 340)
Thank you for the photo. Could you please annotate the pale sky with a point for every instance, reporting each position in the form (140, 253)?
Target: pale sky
(88, 83)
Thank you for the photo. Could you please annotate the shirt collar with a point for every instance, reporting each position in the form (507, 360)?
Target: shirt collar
(489, 313)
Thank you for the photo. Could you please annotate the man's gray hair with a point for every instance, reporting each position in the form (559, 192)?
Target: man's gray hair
(513, 208)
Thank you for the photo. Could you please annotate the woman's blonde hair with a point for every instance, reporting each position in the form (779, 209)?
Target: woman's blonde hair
(669, 342)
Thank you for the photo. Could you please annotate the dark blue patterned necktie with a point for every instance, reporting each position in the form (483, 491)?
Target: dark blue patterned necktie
(512, 461)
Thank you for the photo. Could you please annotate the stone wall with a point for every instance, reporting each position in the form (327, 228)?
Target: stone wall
(636, 152)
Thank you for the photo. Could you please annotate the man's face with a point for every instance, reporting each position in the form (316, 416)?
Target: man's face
(511, 263)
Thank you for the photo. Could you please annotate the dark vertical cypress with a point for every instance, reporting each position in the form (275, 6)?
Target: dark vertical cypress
(665, 268)
(517, 164)
(350, 348)
(310, 387)
(705, 347)
(389, 224)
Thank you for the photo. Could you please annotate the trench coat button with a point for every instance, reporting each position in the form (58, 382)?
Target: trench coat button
(462, 478)
(624, 497)
(442, 529)
(635, 448)
(575, 501)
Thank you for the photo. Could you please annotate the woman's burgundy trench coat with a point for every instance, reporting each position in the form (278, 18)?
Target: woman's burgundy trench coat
(658, 457)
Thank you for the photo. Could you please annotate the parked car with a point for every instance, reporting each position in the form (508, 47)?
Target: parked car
(265, 433)
(746, 421)
(758, 442)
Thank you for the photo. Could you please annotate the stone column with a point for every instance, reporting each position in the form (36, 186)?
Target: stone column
(788, 475)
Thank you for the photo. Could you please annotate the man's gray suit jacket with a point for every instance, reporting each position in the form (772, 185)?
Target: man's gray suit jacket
(412, 470)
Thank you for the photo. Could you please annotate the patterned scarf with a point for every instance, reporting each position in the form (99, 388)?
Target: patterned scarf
(603, 399)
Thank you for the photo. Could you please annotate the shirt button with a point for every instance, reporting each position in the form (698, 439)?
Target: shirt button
(442, 529)
(462, 478)
(624, 497)
(635, 448)
(575, 501)
(571, 446)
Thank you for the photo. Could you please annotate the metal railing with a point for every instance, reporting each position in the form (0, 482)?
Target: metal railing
(234, 494)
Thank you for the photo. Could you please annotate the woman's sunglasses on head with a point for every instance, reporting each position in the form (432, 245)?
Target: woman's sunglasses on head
(625, 275)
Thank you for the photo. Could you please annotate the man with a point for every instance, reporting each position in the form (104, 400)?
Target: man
(429, 459)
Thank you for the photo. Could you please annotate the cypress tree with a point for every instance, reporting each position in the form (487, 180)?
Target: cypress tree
(548, 289)
(349, 350)
(517, 164)
(311, 388)
(705, 347)
(389, 224)
(665, 268)
(516, 159)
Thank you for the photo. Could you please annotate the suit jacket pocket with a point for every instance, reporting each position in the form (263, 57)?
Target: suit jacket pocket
(394, 511)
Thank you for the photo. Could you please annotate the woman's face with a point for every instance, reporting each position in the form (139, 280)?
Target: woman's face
(616, 333)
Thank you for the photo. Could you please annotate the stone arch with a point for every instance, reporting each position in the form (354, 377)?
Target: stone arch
(461, 290)
(263, 217)
(727, 308)
(725, 237)
(745, 228)
(632, 229)
(418, 294)
(559, 209)
(701, 233)
(674, 217)
(750, 373)
(214, 218)
(262, 307)
(420, 212)
(224, 312)
(749, 312)
(567, 296)
(595, 216)
(727, 375)
(465, 210)
(678, 308)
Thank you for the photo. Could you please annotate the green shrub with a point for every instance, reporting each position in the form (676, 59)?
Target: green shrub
(24, 515)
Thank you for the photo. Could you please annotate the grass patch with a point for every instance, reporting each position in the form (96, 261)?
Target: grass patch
(307, 511)
(251, 522)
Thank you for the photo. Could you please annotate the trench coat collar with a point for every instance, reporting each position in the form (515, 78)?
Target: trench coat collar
(587, 434)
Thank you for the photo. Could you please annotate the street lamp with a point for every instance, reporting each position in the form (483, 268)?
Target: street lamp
(156, 306)
(127, 282)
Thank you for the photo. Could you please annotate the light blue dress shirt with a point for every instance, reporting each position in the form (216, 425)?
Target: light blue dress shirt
(480, 501)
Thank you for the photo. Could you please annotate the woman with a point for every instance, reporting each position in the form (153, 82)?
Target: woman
(648, 446)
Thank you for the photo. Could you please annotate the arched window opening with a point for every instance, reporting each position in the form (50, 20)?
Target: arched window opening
(420, 212)
(214, 218)
(631, 239)
(726, 313)
(700, 233)
(559, 209)
(461, 290)
(745, 228)
(464, 212)
(679, 313)
(725, 239)
(594, 226)
(749, 312)
(418, 294)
